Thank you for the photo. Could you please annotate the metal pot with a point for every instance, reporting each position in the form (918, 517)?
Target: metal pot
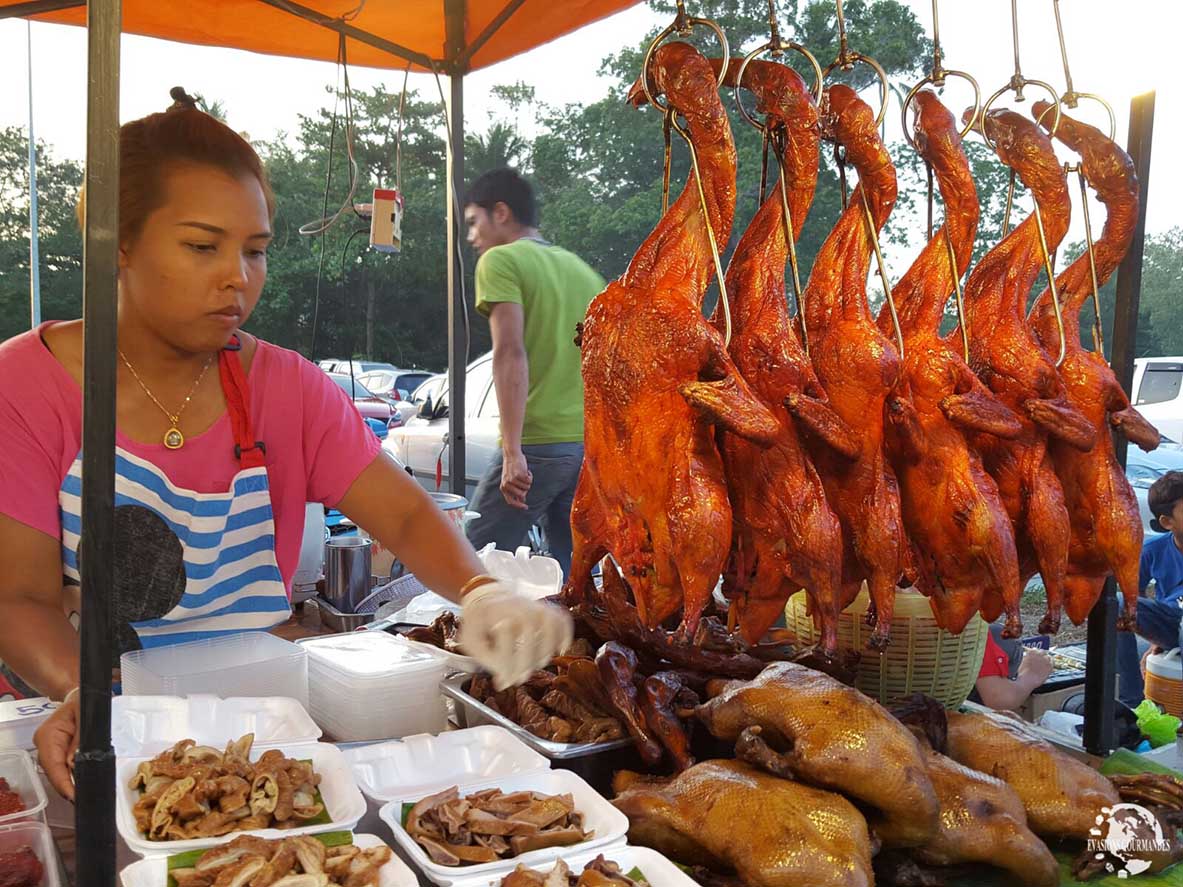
(347, 571)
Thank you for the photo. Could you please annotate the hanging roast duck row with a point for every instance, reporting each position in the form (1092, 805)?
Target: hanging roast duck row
(832, 448)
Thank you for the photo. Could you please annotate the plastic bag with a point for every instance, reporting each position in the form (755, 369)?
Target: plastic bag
(1156, 726)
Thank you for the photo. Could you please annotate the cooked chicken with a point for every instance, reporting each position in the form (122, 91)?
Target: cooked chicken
(732, 817)
(858, 367)
(1062, 796)
(1103, 512)
(953, 512)
(786, 535)
(658, 383)
(1008, 357)
(833, 736)
(617, 666)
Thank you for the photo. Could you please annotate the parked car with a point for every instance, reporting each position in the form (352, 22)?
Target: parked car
(421, 442)
(1143, 469)
(359, 366)
(1158, 393)
(370, 405)
(409, 408)
(394, 384)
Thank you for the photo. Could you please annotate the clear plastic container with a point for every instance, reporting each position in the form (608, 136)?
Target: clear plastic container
(252, 663)
(20, 718)
(146, 725)
(153, 871)
(17, 768)
(425, 764)
(35, 835)
(608, 825)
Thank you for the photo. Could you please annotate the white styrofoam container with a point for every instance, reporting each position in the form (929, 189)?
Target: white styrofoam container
(37, 836)
(144, 726)
(422, 765)
(17, 767)
(364, 657)
(431, 718)
(153, 871)
(607, 823)
(342, 799)
(20, 718)
(658, 871)
(252, 663)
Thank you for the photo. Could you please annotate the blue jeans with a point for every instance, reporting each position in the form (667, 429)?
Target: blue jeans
(555, 468)
(1159, 623)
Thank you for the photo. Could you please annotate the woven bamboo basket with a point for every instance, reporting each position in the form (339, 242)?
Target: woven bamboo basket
(921, 657)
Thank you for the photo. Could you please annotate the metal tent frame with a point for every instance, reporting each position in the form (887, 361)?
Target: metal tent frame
(95, 762)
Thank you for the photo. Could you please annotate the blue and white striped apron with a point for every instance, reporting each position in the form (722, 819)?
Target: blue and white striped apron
(231, 579)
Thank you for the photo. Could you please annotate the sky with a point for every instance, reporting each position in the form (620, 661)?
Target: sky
(1116, 50)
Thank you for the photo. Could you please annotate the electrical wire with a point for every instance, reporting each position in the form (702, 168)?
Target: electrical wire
(324, 223)
(341, 290)
(320, 265)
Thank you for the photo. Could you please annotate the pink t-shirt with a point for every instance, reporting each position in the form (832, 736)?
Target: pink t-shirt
(317, 443)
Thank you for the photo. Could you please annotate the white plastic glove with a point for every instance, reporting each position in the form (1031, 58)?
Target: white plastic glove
(511, 635)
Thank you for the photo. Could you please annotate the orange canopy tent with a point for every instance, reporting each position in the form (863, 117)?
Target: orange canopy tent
(450, 37)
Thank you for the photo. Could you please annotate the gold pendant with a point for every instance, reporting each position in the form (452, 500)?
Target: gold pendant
(173, 439)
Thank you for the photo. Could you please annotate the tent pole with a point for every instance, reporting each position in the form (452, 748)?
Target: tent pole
(38, 7)
(1100, 660)
(94, 768)
(492, 28)
(341, 27)
(454, 16)
(34, 227)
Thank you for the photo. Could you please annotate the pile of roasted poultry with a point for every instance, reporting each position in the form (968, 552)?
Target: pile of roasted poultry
(808, 451)
(851, 794)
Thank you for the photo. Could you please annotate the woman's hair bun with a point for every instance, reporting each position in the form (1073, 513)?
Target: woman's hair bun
(181, 99)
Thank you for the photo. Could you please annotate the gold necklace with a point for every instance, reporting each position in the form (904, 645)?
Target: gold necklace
(173, 439)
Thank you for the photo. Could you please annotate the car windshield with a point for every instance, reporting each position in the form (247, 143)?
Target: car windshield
(410, 381)
(1142, 475)
(1160, 383)
(351, 386)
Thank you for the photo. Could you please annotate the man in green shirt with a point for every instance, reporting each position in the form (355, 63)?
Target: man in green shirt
(533, 293)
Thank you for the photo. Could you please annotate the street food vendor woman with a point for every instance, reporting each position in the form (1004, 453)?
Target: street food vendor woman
(221, 440)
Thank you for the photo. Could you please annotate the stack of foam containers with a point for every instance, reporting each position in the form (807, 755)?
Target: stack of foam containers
(370, 685)
(252, 663)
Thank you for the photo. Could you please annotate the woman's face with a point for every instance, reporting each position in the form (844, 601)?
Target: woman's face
(195, 273)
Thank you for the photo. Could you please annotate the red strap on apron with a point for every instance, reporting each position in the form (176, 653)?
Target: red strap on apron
(250, 452)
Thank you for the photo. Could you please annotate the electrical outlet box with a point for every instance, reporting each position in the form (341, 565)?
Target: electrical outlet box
(386, 223)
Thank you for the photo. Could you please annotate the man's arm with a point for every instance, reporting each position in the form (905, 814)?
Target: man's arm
(511, 378)
(1004, 694)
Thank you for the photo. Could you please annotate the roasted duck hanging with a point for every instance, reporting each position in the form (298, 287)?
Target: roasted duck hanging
(658, 382)
(1008, 357)
(1106, 526)
(786, 536)
(858, 367)
(953, 513)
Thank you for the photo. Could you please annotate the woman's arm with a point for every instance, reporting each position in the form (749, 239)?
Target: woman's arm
(387, 502)
(37, 641)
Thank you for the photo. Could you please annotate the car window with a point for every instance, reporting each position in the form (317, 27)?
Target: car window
(478, 379)
(431, 388)
(1141, 475)
(490, 409)
(353, 386)
(408, 381)
(1160, 383)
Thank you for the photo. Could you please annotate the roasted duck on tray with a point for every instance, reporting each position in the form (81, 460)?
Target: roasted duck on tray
(1105, 525)
(658, 382)
(1008, 356)
(786, 535)
(955, 518)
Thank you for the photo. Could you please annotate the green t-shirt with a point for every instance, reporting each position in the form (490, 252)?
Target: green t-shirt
(554, 288)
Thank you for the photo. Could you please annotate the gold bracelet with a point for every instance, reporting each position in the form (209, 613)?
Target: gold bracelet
(475, 582)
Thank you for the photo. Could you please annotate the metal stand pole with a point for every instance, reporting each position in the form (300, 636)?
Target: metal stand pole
(454, 11)
(34, 237)
(1100, 660)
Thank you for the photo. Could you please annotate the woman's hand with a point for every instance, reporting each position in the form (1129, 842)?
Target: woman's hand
(57, 741)
(511, 635)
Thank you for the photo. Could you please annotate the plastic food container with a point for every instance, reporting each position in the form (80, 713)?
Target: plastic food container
(342, 800)
(144, 726)
(153, 872)
(371, 685)
(1164, 681)
(252, 663)
(656, 869)
(17, 767)
(37, 836)
(20, 718)
(422, 765)
(608, 824)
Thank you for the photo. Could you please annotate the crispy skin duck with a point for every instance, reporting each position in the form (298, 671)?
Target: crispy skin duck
(833, 736)
(858, 367)
(1008, 357)
(1062, 796)
(1105, 524)
(786, 536)
(658, 382)
(661, 696)
(729, 816)
(953, 513)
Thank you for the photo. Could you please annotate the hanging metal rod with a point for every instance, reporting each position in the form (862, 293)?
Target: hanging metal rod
(492, 28)
(38, 7)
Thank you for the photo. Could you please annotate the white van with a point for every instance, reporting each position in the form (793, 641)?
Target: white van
(1158, 393)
